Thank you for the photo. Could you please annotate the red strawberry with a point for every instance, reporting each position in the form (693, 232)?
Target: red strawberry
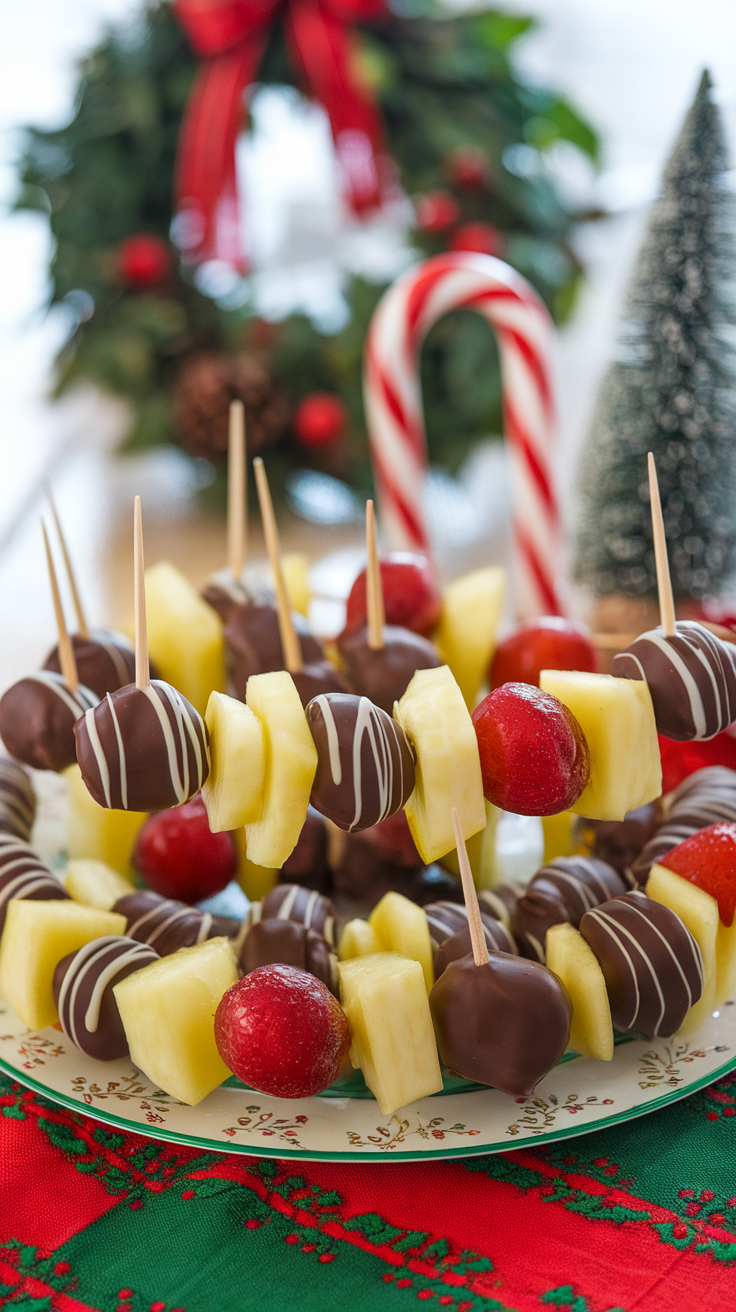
(533, 754)
(708, 859)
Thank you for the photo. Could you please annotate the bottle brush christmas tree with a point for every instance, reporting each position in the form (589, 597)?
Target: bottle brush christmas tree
(670, 390)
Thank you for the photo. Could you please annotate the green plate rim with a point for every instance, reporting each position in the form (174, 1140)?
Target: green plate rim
(305, 1154)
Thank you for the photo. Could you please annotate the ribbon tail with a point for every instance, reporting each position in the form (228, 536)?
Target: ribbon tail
(322, 44)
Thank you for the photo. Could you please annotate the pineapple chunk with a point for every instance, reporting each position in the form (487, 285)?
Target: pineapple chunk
(574, 962)
(617, 718)
(401, 926)
(466, 637)
(291, 764)
(433, 714)
(481, 849)
(185, 635)
(94, 831)
(168, 1012)
(295, 566)
(358, 939)
(36, 937)
(725, 962)
(560, 836)
(386, 1003)
(95, 884)
(233, 791)
(255, 881)
(698, 911)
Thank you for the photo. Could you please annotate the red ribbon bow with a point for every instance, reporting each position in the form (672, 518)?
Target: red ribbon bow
(231, 37)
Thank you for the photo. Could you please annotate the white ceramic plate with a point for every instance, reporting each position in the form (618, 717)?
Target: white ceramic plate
(578, 1096)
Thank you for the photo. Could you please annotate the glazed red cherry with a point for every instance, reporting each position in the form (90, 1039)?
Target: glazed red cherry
(282, 1032)
(550, 643)
(179, 857)
(410, 594)
(533, 754)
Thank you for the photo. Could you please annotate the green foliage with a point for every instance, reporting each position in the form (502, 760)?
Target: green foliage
(443, 83)
(671, 388)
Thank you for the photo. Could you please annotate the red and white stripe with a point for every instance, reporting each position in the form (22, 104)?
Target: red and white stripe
(393, 400)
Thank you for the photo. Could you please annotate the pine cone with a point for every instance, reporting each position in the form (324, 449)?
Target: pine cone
(205, 386)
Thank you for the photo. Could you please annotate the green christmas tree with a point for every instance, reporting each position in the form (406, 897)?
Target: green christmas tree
(670, 389)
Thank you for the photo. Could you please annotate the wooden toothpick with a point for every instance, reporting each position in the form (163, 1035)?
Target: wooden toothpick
(142, 668)
(664, 582)
(67, 659)
(289, 640)
(236, 491)
(477, 936)
(76, 599)
(373, 584)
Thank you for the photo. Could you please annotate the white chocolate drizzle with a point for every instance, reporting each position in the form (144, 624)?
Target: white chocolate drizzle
(86, 960)
(382, 734)
(77, 702)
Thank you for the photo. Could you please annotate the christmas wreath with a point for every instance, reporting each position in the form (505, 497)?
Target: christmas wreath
(439, 103)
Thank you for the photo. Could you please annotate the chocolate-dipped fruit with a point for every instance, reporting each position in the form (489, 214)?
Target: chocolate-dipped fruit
(561, 892)
(293, 902)
(365, 766)
(505, 1023)
(253, 643)
(446, 919)
(651, 963)
(223, 592)
(167, 925)
(707, 797)
(37, 719)
(287, 943)
(307, 864)
(691, 677)
(17, 800)
(83, 992)
(499, 902)
(318, 678)
(24, 875)
(383, 674)
(619, 842)
(143, 749)
(378, 860)
(105, 660)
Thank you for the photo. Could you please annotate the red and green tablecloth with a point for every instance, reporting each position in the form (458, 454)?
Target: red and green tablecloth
(642, 1216)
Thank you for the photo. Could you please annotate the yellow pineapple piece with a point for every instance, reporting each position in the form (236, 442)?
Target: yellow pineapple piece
(574, 962)
(96, 832)
(168, 1012)
(385, 999)
(725, 962)
(185, 635)
(699, 913)
(295, 566)
(401, 926)
(466, 636)
(35, 938)
(560, 835)
(433, 714)
(291, 764)
(233, 791)
(95, 884)
(481, 849)
(358, 939)
(255, 881)
(617, 718)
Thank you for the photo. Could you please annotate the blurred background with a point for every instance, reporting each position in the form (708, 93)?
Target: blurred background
(616, 78)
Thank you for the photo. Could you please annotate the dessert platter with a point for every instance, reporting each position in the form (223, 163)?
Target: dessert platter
(429, 1010)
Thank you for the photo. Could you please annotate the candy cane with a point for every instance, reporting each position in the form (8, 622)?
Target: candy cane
(402, 319)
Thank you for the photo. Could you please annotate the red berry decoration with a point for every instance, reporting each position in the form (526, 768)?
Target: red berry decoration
(143, 261)
(479, 237)
(320, 419)
(410, 594)
(708, 859)
(550, 643)
(468, 167)
(282, 1032)
(436, 211)
(533, 754)
(179, 857)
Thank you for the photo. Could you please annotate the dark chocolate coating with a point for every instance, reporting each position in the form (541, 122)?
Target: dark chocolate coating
(129, 762)
(445, 919)
(317, 678)
(293, 902)
(691, 676)
(619, 842)
(88, 1017)
(499, 902)
(383, 676)
(24, 875)
(223, 592)
(17, 799)
(434, 884)
(307, 864)
(707, 797)
(460, 944)
(365, 766)
(506, 1023)
(287, 943)
(37, 718)
(650, 962)
(253, 643)
(167, 925)
(105, 660)
(561, 892)
(364, 872)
